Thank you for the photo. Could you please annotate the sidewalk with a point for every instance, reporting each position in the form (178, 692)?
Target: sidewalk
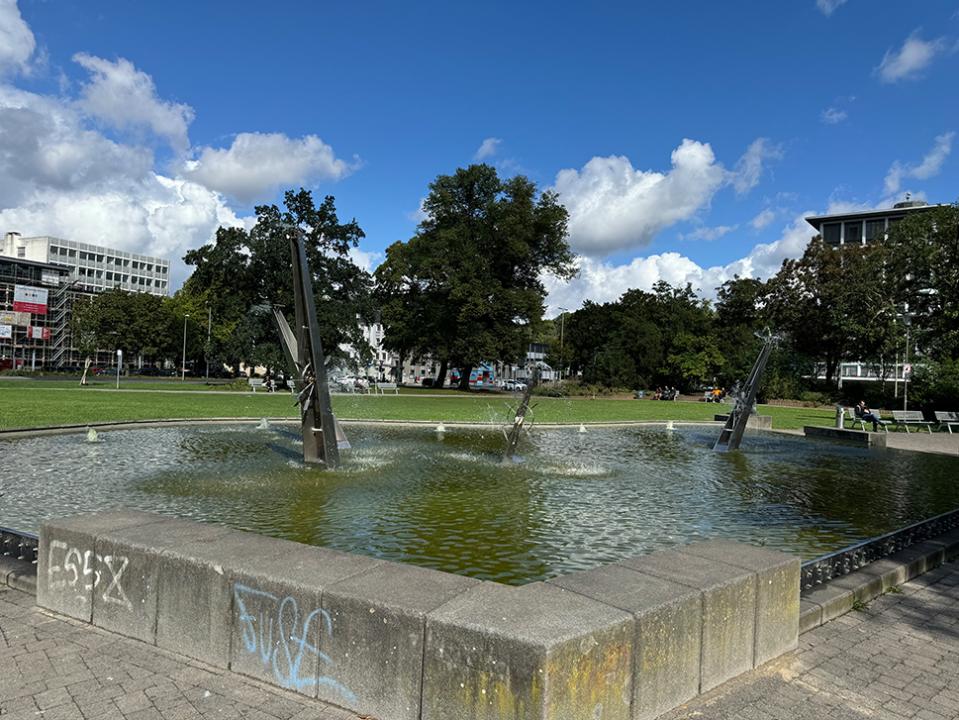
(58, 669)
(897, 658)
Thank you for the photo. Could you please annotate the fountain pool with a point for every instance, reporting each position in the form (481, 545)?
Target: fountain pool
(444, 500)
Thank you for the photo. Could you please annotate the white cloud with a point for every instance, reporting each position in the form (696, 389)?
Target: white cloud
(708, 233)
(16, 40)
(763, 219)
(365, 260)
(833, 116)
(603, 282)
(929, 167)
(487, 149)
(126, 98)
(419, 215)
(257, 164)
(613, 206)
(828, 7)
(911, 59)
(750, 167)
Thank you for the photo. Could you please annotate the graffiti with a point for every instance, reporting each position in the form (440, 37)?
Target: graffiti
(85, 570)
(273, 630)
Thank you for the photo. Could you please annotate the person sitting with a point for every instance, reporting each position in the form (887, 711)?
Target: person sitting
(864, 413)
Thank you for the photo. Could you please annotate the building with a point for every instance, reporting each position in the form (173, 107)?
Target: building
(42, 277)
(94, 268)
(861, 228)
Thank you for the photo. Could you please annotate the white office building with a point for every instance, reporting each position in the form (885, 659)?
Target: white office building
(94, 268)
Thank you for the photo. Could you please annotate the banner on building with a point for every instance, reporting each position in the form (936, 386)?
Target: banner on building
(30, 299)
(20, 319)
(38, 333)
(49, 277)
(6, 332)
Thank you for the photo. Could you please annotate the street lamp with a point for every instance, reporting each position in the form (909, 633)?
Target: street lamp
(209, 327)
(183, 375)
(562, 327)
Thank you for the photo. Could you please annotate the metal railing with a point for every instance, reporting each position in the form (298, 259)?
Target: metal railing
(842, 562)
(21, 545)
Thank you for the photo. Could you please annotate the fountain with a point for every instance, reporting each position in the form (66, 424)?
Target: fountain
(519, 419)
(732, 433)
(92, 435)
(304, 352)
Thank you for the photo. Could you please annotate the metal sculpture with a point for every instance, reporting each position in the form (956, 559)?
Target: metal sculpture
(745, 398)
(322, 437)
(519, 419)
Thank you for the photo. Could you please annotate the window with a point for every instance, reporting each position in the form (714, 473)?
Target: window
(875, 229)
(831, 233)
(21, 251)
(136, 265)
(72, 253)
(109, 276)
(83, 256)
(853, 233)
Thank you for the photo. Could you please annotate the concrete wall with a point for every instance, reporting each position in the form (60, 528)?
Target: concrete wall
(629, 640)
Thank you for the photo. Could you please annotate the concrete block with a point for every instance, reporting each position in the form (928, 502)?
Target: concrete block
(777, 592)
(668, 635)
(24, 578)
(920, 558)
(729, 609)
(69, 570)
(833, 600)
(280, 632)
(378, 620)
(530, 653)
(131, 560)
(810, 615)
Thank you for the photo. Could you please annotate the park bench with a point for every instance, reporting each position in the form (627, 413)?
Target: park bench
(948, 419)
(382, 388)
(910, 417)
(255, 383)
(853, 416)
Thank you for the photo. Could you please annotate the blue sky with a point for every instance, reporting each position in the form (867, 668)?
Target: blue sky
(686, 139)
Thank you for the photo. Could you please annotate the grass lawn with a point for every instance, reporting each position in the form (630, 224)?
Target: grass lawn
(26, 404)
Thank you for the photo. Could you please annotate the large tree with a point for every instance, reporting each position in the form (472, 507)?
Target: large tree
(242, 274)
(467, 287)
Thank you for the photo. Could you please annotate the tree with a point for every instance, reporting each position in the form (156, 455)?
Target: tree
(242, 274)
(467, 287)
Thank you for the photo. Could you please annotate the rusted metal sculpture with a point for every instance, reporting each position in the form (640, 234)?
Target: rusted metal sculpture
(322, 437)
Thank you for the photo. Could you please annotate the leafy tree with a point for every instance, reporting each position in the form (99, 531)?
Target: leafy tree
(467, 287)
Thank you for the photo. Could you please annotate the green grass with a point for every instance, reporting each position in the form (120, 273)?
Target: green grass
(26, 404)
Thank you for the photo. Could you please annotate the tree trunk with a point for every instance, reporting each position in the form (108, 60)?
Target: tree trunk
(465, 377)
(440, 380)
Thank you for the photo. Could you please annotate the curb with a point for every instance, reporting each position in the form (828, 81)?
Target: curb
(18, 574)
(838, 596)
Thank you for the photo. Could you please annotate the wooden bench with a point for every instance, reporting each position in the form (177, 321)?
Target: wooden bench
(910, 417)
(948, 419)
(382, 388)
(256, 383)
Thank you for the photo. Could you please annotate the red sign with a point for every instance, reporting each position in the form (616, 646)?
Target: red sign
(29, 299)
(38, 333)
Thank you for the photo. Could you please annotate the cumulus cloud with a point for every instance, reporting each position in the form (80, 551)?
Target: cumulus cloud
(750, 167)
(708, 233)
(908, 62)
(256, 165)
(763, 219)
(487, 149)
(16, 39)
(833, 116)
(929, 167)
(613, 206)
(126, 98)
(605, 282)
(828, 7)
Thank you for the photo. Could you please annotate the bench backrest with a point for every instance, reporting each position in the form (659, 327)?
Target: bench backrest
(256, 382)
(386, 386)
(951, 417)
(908, 416)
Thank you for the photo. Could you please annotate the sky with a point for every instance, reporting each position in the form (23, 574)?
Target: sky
(688, 140)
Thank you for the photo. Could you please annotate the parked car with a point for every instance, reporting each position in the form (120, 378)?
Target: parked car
(514, 386)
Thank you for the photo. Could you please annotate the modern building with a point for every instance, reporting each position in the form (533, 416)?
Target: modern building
(862, 227)
(40, 280)
(94, 267)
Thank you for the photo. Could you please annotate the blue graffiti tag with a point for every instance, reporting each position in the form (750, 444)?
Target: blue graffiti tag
(274, 633)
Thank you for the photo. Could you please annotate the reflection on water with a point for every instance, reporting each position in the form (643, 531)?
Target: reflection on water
(445, 500)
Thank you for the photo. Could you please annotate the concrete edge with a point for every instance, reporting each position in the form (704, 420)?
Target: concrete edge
(840, 595)
(18, 574)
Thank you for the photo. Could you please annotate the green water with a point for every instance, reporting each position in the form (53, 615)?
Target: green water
(572, 501)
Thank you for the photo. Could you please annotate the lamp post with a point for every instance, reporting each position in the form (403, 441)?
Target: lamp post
(183, 367)
(562, 327)
(209, 327)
